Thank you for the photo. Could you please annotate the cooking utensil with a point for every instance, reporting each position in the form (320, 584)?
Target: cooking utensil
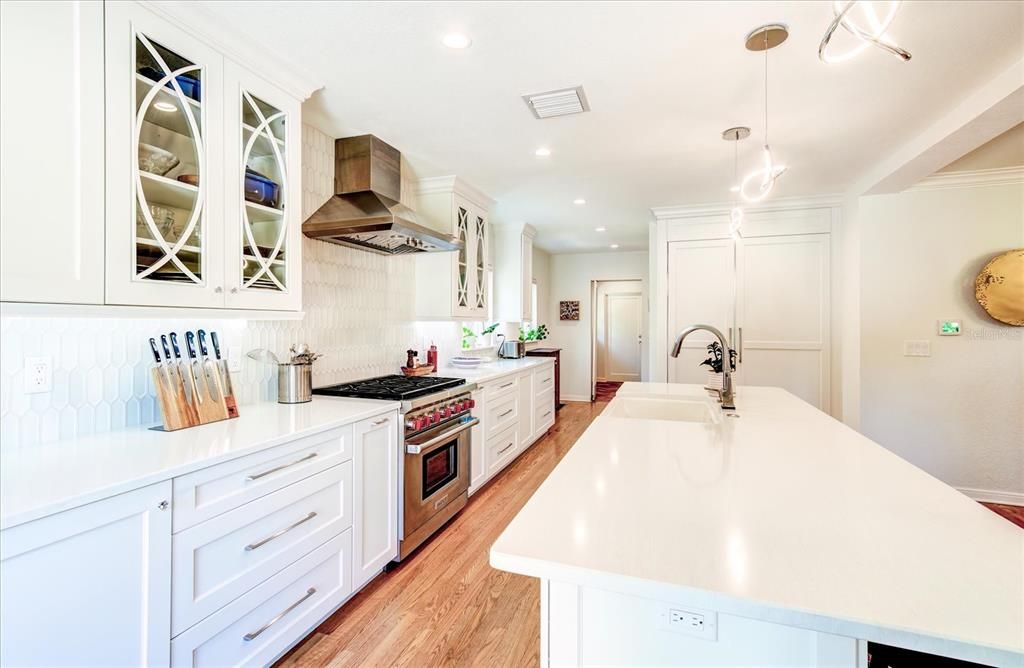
(212, 377)
(188, 416)
(263, 355)
(172, 416)
(201, 396)
(294, 382)
(225, 378)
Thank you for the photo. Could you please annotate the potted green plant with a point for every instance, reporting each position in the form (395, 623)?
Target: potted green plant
(538, 333)
(714, 362)
(469, 336)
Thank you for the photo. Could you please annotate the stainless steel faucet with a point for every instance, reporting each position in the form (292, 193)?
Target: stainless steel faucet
(725, 395)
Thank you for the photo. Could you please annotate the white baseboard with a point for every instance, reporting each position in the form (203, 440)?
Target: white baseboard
(991, 496)
(575, 397)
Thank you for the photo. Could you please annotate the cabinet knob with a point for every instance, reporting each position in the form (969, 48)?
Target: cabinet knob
(218, 289)
(163, 505)
(234, 291)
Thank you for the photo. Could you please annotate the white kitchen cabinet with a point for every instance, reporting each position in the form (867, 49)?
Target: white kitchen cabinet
(773, 307)
(526, 411)
(477, 464)
(89, 586)
(184, 233)
(513, 272)
(375, 497)
(454, 285)
(51, 152)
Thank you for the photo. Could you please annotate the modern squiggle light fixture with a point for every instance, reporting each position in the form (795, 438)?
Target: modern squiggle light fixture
(759, 183)
(874, 33)
(736, 135)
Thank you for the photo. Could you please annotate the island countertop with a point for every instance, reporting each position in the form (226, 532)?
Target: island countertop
(781, 514)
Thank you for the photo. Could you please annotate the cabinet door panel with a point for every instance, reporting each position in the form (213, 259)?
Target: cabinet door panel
(701, 289)
(463, 266)
(51, 152)
(89, 586)
(481, 237)
(263, 248)
(375, 540)
(163, 121)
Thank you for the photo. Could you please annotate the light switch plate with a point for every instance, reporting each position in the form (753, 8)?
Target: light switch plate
(917, 349)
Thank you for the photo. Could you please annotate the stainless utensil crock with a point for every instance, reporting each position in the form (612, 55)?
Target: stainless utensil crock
(294, 383)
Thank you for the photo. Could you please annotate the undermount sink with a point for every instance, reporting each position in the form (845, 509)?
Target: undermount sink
(678, 410)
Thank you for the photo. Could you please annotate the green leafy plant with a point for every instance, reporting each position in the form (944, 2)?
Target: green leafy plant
(714, 360)
(468, 335)
(538, 333)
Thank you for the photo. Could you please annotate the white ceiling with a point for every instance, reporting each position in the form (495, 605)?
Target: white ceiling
(663, 80)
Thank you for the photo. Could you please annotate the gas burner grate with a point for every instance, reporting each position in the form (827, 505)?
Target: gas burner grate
(395, 388)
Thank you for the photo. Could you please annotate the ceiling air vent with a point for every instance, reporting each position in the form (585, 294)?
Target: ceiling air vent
(558, 102)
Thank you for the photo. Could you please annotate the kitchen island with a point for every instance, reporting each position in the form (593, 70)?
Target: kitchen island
(775, 536)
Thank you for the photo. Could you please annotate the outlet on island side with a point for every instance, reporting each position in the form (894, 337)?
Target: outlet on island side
(38, 374)
(701, 624)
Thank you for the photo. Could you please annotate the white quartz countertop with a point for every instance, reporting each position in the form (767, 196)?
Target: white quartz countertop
(782, 514)
(492, 369)
(39, 480)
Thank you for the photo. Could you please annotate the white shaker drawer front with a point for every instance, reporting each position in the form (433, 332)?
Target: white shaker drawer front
(207, 493)
(501, 449)
(501, 387)
(545, 412)
(500, 413)
(220, 559)
(258, 627)
(544, 379)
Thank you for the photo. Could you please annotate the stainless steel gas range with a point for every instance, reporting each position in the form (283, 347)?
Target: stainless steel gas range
(435, 441)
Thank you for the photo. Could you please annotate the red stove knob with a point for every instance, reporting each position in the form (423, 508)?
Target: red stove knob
(411, 425)
(422, 422)
(461, 406)
(445, 411)
(435, 416)
(471, 403)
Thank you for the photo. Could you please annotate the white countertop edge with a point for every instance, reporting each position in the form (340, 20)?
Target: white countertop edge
(486, 372)
(740, 607)
(9, 520)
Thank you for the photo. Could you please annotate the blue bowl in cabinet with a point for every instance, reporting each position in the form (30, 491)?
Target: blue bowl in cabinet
(260, 190)
(189, 85)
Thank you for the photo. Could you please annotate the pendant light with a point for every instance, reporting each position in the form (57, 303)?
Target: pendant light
(760, 182)
(736, 135)
(875, 34)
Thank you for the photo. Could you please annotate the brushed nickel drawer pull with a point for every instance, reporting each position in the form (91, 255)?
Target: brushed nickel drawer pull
(381, 421)
(546, 380)
(546, 414)
(507, 385)
(509, 411)
(257, 476)
(252, 636)
(252, 546)
(505, 449)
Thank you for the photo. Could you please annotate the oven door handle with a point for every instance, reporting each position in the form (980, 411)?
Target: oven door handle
(420, 448)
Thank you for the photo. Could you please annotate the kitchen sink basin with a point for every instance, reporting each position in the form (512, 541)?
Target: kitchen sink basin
(678, 410)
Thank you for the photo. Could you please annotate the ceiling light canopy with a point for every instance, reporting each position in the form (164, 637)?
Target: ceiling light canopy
(542, 152)
(600, 229)
(873, 33)
(759, 183)
(613, 246)
(579, 201)
(456, 40)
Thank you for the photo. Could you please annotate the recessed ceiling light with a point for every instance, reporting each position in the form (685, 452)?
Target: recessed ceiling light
(600, 229)
(542, 152)
(164, 106)
(579, 200)
(734, 189)
(456, 40)
(614, 246)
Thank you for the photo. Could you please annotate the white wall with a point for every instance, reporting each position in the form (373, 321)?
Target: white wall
(958, 414)
(570, 280)
(542, 276)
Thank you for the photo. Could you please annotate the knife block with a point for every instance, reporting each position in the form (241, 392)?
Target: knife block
(188, 400)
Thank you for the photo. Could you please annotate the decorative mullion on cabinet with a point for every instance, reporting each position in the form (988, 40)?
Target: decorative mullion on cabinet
(165, 163)
(263, 248)
(453, 286)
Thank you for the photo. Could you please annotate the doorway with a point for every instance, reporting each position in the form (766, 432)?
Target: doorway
(617, 335)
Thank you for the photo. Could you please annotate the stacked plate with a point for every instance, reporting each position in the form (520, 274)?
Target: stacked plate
(466, 362)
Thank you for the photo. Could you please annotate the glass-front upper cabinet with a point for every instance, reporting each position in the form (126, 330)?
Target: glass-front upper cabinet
(462, 260)
(263, 246)
(164, 163)
(480, 293)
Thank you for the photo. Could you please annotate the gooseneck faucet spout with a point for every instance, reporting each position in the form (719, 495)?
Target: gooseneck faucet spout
(726, 393)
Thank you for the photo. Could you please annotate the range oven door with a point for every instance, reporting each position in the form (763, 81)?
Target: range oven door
(436, 471)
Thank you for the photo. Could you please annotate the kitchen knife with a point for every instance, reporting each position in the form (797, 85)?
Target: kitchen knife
(164, 390)
(225, 378)
(201, 397)
(178, 385)
(212, 376)
(186, 384)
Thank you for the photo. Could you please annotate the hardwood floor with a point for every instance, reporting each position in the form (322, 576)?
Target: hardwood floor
(1013, 513)
(604, 390)
(445, 605)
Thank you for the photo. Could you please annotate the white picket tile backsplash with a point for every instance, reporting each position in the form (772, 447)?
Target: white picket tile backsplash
(359, 312)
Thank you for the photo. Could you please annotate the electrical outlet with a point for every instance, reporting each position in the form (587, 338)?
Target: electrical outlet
(234, 358)
(38, 374)
(917, 348)
(691, 622)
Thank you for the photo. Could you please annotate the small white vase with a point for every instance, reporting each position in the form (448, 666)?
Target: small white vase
(715, 380)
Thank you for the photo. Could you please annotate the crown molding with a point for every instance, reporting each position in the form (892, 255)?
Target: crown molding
(1000, 176)
(720, 208)
(453, 184)
(210, 28)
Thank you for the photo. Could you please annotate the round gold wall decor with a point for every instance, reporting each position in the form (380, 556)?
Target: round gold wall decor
(999, 288)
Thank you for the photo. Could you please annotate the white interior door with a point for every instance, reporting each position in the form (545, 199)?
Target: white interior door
(701, 289)
(622, 311)
(784, 314)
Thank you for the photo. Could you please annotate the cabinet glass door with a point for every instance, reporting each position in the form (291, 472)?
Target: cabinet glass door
(481, 263)
(462, 259)
(169, 171)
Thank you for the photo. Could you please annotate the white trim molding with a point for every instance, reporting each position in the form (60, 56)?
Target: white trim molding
(1000, 176)
(575, 398)
(723, 208)
(38, 310)
(993, 496)
(452, 183)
